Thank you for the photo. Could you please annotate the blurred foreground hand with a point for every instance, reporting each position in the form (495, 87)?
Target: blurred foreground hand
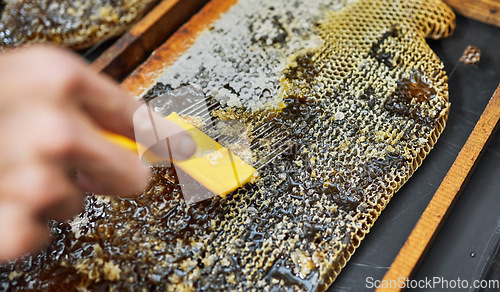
(52, 110)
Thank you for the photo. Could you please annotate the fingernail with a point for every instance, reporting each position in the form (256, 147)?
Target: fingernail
(184, 146)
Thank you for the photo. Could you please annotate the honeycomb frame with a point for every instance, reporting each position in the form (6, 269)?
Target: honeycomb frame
(101, 266)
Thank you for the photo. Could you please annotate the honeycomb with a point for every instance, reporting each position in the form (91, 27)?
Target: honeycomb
(365, 101)
(77, 24)
(471, 55)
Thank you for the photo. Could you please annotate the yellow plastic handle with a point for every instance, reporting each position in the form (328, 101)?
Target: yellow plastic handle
(213, 166)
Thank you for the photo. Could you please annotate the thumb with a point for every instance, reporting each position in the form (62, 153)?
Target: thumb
(162, 136)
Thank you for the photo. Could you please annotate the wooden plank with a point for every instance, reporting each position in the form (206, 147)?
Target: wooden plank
(487, 11)
(132, 48)
(434, 216)
(143, 77)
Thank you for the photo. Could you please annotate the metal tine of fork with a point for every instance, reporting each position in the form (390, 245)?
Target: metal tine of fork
(200, 106)
(259, 128)
(220, 135)
(206, 117)
(209, 125)
(207, 114)
(261, 132)
(205, 121)
(273, 155)
(204, 113)
(281, 138)
(186, 110)
(262, 129)
(232, 141)
(266, 132)
(257, 145)
(208, 109)
(238, 139)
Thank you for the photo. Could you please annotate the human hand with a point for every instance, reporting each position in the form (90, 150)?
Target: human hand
(52, 110)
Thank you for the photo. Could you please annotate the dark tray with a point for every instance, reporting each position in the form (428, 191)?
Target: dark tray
(466, 246)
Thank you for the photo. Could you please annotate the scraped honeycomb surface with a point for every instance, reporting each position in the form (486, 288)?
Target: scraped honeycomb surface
(365, 100)
(77, 24)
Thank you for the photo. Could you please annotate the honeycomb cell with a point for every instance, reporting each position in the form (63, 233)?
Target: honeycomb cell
(471, 55)
(76, 24)
(361, 99)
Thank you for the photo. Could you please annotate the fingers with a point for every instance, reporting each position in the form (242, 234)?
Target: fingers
(20, 231)
(43, 189)
(31, 174)
(58, 75)
(105, 168)
(31, 194)
(35, 178)
(152, 131)
(52, 110)
(108, 169)
(77, 144)
(67, 139)
(110, 107)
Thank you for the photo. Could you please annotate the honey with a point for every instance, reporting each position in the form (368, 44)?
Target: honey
(76, 24)
(361, 98)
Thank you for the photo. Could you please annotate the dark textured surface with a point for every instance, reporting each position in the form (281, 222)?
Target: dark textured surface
(474, 224)
(300, 222)
(75, 24)
(297, 225)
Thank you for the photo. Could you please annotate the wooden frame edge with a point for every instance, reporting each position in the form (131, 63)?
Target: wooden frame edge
(133, 47)
(487, 11)
(434, 216)
(175, 46)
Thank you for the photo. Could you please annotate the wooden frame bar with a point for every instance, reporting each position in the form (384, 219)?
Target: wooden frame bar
(487, 11)
(434, 216)
(132, 48)
(143, 77)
